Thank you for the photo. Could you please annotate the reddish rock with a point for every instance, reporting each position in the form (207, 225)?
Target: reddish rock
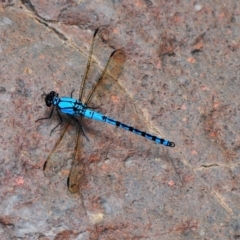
(180, 81)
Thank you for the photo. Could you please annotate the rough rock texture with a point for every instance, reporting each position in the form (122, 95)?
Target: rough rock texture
(180, 81)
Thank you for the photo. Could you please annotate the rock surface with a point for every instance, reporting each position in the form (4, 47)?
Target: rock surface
(180, 81)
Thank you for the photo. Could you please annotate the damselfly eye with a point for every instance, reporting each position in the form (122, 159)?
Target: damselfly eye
(49, 98)
(52, 94)
(48, 101)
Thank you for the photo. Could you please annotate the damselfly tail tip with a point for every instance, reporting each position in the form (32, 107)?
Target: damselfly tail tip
(171, 144)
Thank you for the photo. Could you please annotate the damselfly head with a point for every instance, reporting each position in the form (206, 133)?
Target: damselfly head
(50, 97)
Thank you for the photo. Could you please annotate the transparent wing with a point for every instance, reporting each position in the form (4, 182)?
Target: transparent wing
(54, 161)
(110, 73)
(94, 73)
(60, 152)
(98, 61)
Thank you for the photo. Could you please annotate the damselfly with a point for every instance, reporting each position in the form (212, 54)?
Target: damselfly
(76, 109)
